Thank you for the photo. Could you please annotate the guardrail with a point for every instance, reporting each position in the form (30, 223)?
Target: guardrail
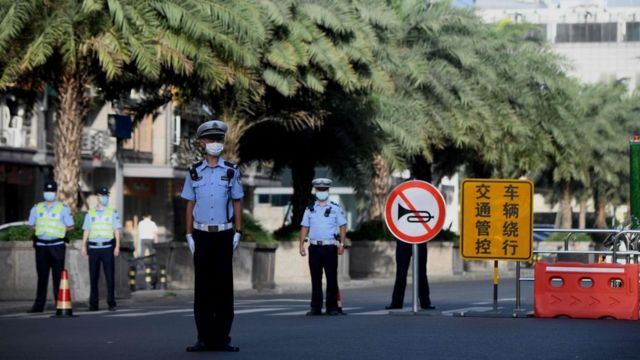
(15, 223)
(614, 238)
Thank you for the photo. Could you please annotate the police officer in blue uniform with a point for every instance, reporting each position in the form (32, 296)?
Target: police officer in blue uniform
(50, 220)
(404, 252)
(102, 237)
(321, 222)
(213, 191)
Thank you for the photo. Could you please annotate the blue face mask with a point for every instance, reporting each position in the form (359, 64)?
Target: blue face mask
(49, 196)
(104, 200)
(322, 195)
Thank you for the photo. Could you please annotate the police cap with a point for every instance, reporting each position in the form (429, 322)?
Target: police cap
(321, 183)
(102, 191)
(50, 185)
(212, 128)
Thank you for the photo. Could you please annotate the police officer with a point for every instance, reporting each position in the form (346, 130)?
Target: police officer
(404, 252)
(321, 222)
(102, 230)
(213, 192)
(50, 220)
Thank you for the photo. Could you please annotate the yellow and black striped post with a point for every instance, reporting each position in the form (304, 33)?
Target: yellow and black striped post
(163, 278)
(147, 277)
(132, 278)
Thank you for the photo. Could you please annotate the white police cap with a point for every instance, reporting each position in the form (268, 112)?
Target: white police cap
(212, 127)
(321, 182)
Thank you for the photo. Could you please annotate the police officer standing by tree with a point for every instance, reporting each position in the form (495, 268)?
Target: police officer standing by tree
(321, 222)
(102, 230)
(50, 220)
(214, 192)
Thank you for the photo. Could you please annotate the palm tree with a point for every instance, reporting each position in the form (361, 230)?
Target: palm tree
(75, 44)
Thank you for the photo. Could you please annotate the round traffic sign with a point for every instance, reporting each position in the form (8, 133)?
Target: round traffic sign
(415, 211)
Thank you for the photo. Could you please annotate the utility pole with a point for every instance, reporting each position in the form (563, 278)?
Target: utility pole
(634, 152)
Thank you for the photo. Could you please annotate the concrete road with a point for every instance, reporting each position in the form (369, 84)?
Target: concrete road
(274, 327)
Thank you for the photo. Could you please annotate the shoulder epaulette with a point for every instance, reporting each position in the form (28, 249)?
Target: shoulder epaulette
(335, 203)
(311, 207)
(194, 172)
(230, 164)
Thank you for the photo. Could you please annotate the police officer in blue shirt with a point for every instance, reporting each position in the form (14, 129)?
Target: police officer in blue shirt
(213, 191)
(50, 220)
(102, 235)
(321, 221)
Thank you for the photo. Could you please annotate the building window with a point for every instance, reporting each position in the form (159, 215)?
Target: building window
(274, 199)
(633, 31)
(263, 199)
(591, 32)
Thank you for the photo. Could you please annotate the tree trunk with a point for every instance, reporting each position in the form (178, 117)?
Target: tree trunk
(566, 205)
(72, 102)
(582, 218)
(601, 218)
(379, 186)
(302, 172)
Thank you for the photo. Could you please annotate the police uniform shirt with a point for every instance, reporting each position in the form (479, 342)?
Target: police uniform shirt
(212, 189)
(65, 216)
(88, 220)
(323, 227)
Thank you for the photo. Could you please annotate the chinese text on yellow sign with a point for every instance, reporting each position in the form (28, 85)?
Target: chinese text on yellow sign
(497, 219)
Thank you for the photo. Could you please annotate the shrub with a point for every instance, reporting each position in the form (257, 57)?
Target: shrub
(253, 232)
(371, 230)
(76, 233)
(287, 233)
(17, 233)
(574, 237)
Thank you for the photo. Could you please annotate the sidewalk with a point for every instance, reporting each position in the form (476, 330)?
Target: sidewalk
(147, 296)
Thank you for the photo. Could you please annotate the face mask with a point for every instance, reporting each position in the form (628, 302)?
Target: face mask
(214, 149)
(322, 195)
(104, 200)
(49, 196)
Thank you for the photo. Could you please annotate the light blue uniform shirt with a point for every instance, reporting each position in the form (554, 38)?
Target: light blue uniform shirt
(65, 216)
(115, 221)
(323, 227)
(211, 193)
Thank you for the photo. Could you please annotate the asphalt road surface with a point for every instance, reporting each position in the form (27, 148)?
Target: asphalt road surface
(275, 327)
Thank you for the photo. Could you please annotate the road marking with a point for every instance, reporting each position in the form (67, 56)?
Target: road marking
(304, 312)
(467, 309)
(376, 312)
(46, 315)
(491, 302)
(150, 313)
(270, 300)
(249, 311)
(269, 306)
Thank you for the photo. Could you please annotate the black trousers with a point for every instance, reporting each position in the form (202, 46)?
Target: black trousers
(324, 257)
(213, 290)
(48, 259)
(106, 258)
(404, 252)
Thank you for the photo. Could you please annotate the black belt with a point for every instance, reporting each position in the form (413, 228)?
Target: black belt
(49, 241)
(101, 243)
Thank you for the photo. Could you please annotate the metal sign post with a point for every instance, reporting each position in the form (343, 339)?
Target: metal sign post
(414, 213)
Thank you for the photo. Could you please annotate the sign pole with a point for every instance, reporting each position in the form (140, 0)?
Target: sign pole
(415, 278)
(495, 286)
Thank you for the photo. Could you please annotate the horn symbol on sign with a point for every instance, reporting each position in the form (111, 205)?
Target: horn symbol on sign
(418, 216)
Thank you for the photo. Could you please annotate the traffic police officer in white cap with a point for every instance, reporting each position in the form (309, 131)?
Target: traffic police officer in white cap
(213, 191)
(50, 219)
(321, 221)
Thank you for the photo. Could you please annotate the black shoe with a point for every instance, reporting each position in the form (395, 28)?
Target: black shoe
(226, 347)
(314, 312)
(428, 307)
(198, 347)
(112, 308)
(393, 307)
(93, 308)
(34, 310)
(333, 312)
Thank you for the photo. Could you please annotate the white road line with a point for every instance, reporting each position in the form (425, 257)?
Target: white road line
(150, 313)
(376, 312)
(491, 302)
(270, 300)
(473, 308)
(49, 314)
(269, 306)
(296, 313)
(249, 311)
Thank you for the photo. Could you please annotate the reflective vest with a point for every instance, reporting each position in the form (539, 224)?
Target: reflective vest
(49, 223)
(101, 225)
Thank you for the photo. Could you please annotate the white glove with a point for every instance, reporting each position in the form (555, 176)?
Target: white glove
(191, 243)
(236, 240)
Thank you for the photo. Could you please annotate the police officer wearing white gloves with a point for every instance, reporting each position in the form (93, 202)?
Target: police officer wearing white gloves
(50, 219)
(101, 241)
(321, 221)
(214, 192)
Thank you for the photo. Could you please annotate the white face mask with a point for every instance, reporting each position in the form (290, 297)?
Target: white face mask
(214, 149)
(322, 195)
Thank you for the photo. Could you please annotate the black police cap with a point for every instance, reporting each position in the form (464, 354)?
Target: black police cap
(50, 185)
(102, 191)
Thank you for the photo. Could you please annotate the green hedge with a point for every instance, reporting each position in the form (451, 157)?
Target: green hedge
(287, 233)
(253, 232)
(377, 230)
(574, 237)
(17, 233)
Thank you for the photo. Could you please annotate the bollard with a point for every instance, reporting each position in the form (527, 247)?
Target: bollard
(163, 278)
(132, 278)
(147, 277)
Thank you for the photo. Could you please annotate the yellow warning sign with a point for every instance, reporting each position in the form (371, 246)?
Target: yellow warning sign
(497, 219)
